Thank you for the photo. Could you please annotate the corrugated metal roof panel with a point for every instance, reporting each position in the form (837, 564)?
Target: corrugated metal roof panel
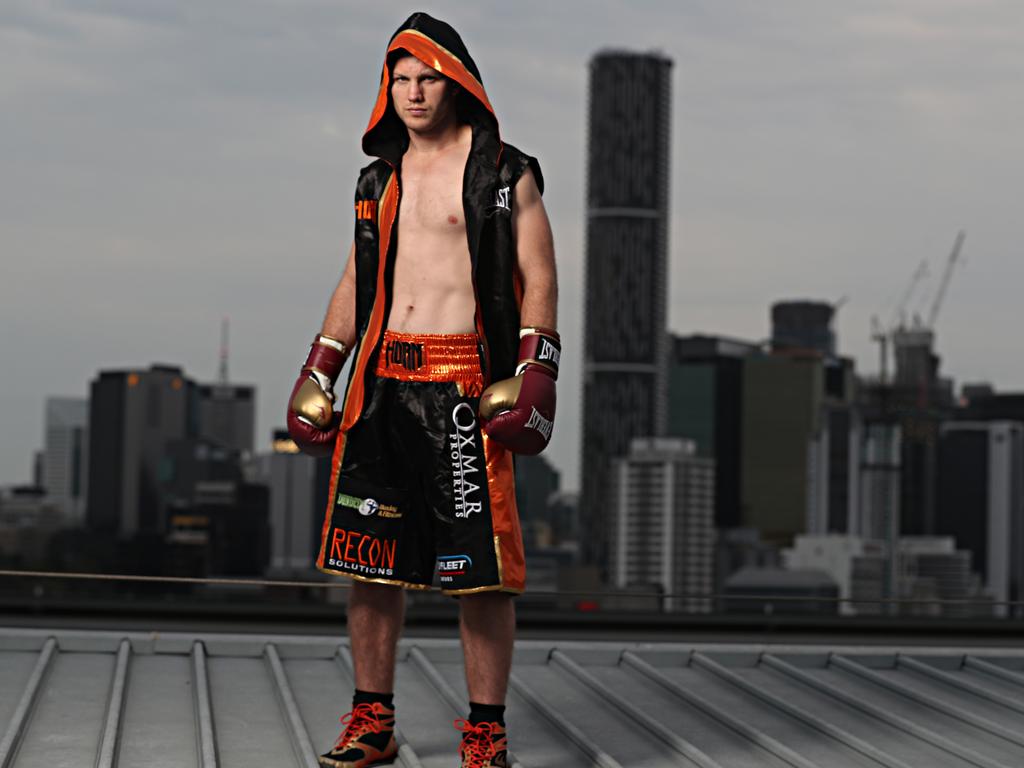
(73, 698)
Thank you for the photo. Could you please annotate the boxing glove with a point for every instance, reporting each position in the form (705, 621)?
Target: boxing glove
(312, 422)
(519, 412)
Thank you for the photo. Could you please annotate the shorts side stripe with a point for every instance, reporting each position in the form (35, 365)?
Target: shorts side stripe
(336, 459)
(508, 537)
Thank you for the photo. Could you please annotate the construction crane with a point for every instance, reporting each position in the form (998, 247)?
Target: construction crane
(883, 333)
(899, 314)
(940, 295)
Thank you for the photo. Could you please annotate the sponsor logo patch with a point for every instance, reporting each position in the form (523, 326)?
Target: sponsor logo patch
(368, 507)
(465, 455)
(539, 423)
(362, 553)
(449, 566)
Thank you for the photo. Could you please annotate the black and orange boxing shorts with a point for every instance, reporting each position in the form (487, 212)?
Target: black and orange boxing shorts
(420, 497)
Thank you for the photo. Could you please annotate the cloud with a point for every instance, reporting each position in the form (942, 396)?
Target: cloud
(168, 163)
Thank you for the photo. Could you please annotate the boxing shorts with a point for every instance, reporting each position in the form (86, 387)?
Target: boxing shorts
(420, 497)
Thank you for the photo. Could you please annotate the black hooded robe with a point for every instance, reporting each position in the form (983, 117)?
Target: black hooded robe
(492, 170)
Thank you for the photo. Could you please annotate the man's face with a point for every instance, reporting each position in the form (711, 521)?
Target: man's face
(422, 96)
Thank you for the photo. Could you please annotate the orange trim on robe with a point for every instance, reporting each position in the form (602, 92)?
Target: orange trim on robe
(433, 55)
(505, 516)
(386, 218)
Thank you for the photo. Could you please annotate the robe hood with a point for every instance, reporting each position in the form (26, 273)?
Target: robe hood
(437, 45)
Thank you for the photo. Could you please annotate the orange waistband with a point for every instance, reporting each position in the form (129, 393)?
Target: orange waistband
(429, 356)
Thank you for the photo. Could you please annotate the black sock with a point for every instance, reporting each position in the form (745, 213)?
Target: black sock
(486, 713)
(369, 697)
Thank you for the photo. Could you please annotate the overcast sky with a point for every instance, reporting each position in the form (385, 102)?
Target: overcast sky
(165, 164)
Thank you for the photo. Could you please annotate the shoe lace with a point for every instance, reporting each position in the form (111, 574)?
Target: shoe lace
(360, 721)
(477, 743)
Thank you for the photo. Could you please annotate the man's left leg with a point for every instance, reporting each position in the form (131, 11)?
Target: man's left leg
(487, 624)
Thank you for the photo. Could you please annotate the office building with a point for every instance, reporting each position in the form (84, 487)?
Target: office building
(625, 338)
(803, 326)
(782, 414)
(800, 456)
(981, 501)
(705, 404)
(663, 531)
(227, 415)
(878, 515)
(537, 482)
(28, 518)
(980, 402)
(133, 414)
(65, 456)
(296, 512)
(834, 459)
(919, 400)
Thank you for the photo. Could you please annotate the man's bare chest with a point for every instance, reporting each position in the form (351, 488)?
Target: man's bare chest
(432, 202)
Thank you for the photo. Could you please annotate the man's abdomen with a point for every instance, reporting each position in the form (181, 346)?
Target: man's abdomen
(432, 290)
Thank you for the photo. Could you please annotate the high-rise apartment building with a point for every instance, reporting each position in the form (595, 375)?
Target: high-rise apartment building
(625, 346)
(663, 526)
(65, 456)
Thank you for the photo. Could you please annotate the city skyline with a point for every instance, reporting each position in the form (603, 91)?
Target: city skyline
(814, 155)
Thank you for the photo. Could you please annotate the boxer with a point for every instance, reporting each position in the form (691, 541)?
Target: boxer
(446, 311)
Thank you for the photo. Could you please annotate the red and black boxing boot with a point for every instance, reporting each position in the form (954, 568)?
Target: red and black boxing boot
(312, 422)
(519, 412)
(484, 744)
(369, 735)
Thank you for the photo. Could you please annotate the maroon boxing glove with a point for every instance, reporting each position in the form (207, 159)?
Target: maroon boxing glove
(312, 422)
(519, 412)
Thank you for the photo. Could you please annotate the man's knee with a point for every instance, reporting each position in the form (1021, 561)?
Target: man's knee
(482, 602)
(376, 594)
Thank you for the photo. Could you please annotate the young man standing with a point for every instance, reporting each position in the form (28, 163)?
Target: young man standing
(449, 302)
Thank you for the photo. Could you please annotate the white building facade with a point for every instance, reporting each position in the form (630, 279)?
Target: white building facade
(663, 523)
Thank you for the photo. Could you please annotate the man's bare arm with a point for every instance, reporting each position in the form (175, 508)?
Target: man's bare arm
(535, 255)
(340, 321)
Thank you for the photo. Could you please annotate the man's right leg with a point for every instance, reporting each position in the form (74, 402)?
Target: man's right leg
(375, 614)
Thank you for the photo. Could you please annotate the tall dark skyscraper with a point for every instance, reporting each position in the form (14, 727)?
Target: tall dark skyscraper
(133, 414)
(625, 347)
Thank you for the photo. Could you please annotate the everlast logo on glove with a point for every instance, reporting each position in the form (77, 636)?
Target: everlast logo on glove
(519, 412)
(548, 352)
(538, 422)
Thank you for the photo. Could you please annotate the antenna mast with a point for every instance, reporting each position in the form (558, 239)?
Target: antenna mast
(223, 374)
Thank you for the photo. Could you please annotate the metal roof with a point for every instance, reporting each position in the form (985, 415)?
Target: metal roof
(75, 698)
